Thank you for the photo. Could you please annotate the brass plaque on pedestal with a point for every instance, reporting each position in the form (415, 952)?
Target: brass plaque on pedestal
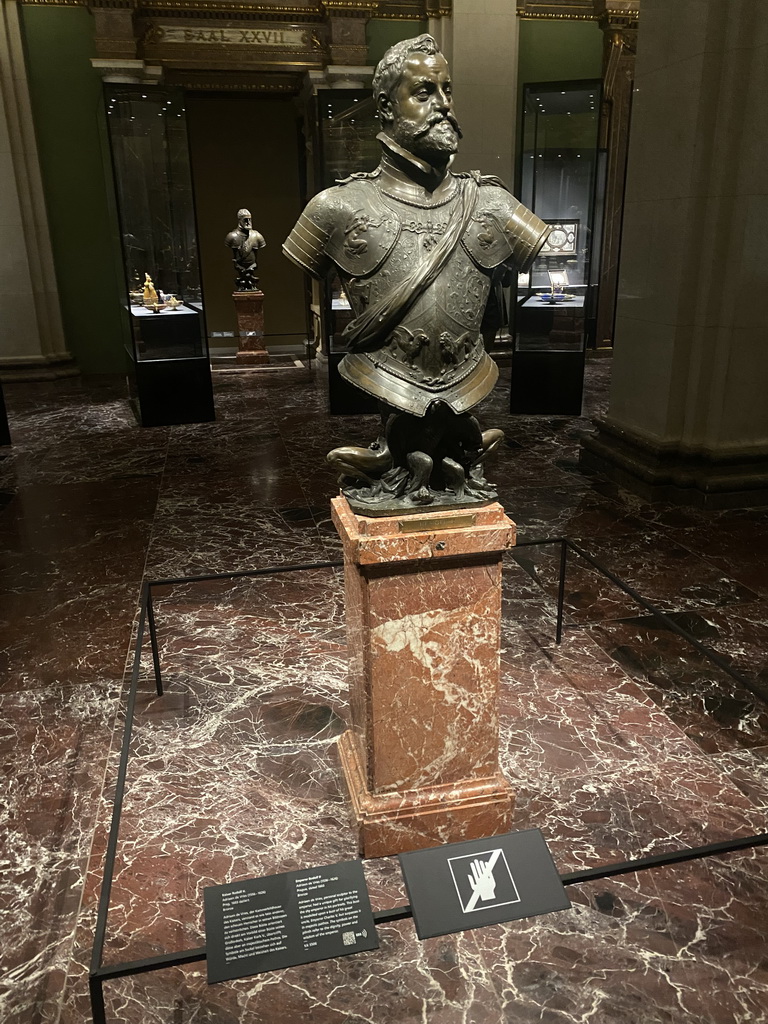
(420, 524)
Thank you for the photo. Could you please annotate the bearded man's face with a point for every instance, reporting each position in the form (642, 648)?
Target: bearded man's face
(422, 108)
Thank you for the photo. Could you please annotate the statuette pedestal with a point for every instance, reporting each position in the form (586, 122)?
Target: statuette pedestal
(423, 608)
(249, 307)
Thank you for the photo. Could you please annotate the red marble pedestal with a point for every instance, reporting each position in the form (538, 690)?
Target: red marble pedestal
(423, 609)
(249, 307)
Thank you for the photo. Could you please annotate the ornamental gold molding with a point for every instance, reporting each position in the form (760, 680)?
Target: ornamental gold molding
(313, 10)
(56, 3)
(192, 8)
(351, 8)
(625, 12)
(570, 10)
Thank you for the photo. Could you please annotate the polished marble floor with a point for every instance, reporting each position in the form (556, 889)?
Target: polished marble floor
(622, 741)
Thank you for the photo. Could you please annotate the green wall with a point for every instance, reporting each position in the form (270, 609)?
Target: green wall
(70, 124)
(549, 51)
(380, 34)
(558, 51)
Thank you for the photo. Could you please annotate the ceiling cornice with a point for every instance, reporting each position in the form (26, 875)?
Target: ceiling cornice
(625, 11)
(312, 10)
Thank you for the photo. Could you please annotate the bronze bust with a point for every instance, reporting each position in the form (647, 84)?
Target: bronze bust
(417, 248)
(245, 244)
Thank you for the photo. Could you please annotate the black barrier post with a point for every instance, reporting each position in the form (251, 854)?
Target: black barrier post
(561, 590)
(109, 857)
(98, 1009)
(563, 542)
(153, 642)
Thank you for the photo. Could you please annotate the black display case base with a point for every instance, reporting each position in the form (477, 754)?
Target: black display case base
(165, 392)
(547, 383)
(169, 368)
(5, 434)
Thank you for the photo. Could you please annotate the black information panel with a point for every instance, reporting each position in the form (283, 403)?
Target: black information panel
(485, 881)
(264, 924)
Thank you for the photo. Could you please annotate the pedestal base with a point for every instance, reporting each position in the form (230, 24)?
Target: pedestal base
(389, 823)
(257, 357)
(423, 609)
(249, 307)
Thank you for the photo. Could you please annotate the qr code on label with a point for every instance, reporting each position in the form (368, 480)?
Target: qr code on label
(348, 938)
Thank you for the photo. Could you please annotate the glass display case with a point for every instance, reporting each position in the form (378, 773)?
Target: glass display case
(562, 180)
(168, 363)
(345, 143)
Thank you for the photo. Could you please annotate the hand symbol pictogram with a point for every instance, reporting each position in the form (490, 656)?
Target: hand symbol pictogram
(482, 881)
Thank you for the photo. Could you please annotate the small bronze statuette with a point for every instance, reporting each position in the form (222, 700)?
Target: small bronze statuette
(245, 244)
(417, 249)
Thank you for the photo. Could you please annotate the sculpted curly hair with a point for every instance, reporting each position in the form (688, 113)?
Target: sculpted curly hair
(390, 67)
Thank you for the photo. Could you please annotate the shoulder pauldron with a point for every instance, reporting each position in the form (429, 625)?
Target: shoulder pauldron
(363, 231)
(503, 231)
(486, 239)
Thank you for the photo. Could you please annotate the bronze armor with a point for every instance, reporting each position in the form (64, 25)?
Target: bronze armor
(377, 240)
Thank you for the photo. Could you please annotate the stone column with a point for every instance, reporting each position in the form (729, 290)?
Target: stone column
(618, 20)
(480, 41)
(688, 415)
(32, 340)
(423, 610)
(484, 69)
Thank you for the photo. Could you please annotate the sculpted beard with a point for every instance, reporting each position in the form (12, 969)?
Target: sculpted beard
(439, 137)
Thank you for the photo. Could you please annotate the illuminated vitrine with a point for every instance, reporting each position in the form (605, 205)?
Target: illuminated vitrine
(561, 177)
(168, 364)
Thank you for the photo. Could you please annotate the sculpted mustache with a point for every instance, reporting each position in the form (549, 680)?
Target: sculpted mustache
(438, 119)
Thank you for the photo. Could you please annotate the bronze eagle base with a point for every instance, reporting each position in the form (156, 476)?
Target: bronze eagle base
(419, 463)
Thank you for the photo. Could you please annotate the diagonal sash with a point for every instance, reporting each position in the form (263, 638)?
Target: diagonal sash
(371, 328)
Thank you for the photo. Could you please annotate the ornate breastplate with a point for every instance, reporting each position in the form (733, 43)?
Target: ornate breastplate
(436, 347)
